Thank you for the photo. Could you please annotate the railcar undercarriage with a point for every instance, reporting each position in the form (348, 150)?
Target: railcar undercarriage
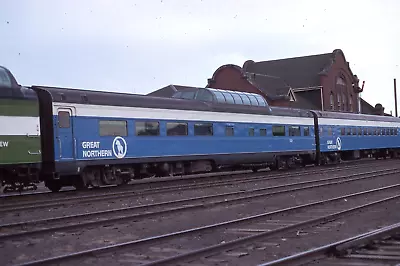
(19, 179)
(27, 177)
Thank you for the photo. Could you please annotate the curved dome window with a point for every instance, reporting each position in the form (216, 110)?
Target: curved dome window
(224, 96)
(5, 80)
(238, 97)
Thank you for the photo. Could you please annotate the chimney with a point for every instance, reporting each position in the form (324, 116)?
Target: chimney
(379, 109)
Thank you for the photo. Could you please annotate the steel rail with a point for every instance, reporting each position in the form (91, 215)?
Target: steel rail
(181, 208)
(336, 248)
(148, 240)
(190, 177)
(127, 194)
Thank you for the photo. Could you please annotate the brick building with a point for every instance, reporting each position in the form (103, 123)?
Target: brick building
(319, 82)
(322, 82)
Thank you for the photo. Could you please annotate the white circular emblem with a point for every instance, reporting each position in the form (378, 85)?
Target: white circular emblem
(338, 143)
(119, 147)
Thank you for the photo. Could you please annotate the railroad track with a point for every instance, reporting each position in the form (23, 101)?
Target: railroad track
(24, 206)
(147, 181)
(380, 247)
(229, 233)
(35, 227)
(158, 182)
(140, 201)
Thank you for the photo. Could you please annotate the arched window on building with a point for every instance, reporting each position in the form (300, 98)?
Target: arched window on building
(332, 101)
(344, 100)
(341, 81)
(341, 90)
(351, 103)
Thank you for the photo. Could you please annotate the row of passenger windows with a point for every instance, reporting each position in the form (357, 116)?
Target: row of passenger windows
(368, 131)
(113, 128)
(150, 128)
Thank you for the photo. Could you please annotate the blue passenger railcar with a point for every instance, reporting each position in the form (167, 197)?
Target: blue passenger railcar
(98, 134)
(354, 133)
(94, 138)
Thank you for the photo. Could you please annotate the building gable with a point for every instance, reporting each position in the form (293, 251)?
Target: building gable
(298, 72)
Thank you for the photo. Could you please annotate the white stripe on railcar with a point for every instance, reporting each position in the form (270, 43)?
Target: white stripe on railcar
(19, 126)
(356, 123)
(170, 114)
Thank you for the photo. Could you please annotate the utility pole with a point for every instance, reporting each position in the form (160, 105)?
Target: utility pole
(395, 98)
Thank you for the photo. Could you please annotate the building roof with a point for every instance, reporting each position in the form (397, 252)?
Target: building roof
(170, 90)
(366, 108)
(297, 72)
(273, 87)
(279, 79)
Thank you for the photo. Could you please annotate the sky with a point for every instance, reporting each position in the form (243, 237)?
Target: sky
(139, 46)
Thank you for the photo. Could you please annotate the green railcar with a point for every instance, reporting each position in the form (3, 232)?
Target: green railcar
(20, 140)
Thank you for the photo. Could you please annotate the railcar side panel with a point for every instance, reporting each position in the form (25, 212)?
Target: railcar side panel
(90, 144)
(19, 132)
(354, 135)
(250, 136)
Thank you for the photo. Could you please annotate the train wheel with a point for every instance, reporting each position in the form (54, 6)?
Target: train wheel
(109, 178)
(290, 164)
(79, 184)
(323, 160)
(274, 166)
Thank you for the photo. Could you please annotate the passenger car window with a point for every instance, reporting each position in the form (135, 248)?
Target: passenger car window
(278, 130)
(204, 95)
(238, 99)
(113, 128)
(228, 98)
(203, 129)
(187, 95)
(294, 131)
(229, 131)
(245, 99)
(4, 78)
(147, 128)
(253, 100)
(306, 131)
(64, 119)
(251, 132)
(220, 97)
(177, 129)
